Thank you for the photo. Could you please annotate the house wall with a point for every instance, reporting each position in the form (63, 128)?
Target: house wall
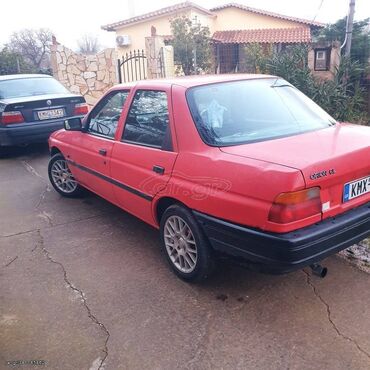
(139, 31)
(238, 19)
(226, 19)
(204, 19)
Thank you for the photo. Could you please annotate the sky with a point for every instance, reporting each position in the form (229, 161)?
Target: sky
(70, 19)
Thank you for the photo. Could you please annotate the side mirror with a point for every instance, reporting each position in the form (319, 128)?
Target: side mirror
(73, 124)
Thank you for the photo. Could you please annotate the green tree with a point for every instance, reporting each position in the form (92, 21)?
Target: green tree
(257, 57)
(191, 44)
(360, 48)
(12, 63)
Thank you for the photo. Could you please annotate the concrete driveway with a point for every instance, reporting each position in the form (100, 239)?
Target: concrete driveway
(83, 286)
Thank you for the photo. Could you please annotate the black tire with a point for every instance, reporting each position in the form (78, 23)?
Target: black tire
(3, 152)
(70, 193)
(205, 261)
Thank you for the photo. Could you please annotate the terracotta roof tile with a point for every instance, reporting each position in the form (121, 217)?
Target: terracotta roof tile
(265, 12)
(157, 13)
(266, 35)
(166, 37)
(189, 5)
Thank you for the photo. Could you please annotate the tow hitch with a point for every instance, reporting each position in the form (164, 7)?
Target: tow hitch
(319, 270)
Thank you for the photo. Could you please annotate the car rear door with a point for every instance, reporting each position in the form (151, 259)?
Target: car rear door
(142, 161)
(91, 150)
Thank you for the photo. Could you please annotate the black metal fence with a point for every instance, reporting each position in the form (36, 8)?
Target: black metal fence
(132, 66)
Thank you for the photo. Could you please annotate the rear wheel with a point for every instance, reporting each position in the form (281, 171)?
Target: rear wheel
(61, 177)
(185, 245)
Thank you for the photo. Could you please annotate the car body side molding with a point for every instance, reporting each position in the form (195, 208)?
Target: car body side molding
(112, 181)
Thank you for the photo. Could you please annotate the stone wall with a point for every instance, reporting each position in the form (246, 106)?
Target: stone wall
(88, 75)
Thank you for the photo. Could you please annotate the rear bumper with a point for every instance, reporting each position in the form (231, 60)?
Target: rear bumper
(30, 132)
(281, 253)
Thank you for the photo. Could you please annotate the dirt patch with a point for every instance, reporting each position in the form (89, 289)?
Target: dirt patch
(359, 255)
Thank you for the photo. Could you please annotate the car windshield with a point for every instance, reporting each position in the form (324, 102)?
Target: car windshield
(21, 87)
(240, 112)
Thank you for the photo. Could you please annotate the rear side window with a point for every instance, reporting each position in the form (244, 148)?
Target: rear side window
(147, 121)
(105, 116)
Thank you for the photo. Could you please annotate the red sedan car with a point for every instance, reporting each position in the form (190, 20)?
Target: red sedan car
(243, 165)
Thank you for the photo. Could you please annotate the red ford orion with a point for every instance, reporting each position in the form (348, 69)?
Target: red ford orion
(244, 166)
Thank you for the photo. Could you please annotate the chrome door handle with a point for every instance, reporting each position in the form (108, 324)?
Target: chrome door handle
(103, 152)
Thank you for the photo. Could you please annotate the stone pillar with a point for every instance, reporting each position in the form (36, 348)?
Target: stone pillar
(153, 46)
(333, 50)
(53, 56)
(168, 61)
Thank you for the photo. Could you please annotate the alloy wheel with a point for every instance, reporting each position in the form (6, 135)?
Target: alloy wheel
(62, 176)
(180, 244)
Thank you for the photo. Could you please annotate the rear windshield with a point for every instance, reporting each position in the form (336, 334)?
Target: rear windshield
(240, 112)
(21, 87)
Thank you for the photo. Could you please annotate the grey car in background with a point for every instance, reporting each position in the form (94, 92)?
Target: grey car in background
(33, 106)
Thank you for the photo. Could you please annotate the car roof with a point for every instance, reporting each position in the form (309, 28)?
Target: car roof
(191, 81)
(21, 76)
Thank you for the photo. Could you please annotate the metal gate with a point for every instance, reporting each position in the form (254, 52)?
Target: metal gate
(133, 66)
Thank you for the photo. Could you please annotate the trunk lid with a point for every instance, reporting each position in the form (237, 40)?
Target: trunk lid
(33, 108)
(327, 158)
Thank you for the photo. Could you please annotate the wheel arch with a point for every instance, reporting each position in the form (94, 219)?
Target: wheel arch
(162, 204)
(54, 150)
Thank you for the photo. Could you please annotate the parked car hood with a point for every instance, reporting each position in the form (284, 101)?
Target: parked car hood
(343, 151)
(25, 99)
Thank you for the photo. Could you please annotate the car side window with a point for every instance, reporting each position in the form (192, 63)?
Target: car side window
(104, 118)
(147, 122)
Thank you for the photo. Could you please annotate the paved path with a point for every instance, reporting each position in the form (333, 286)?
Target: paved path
(83, 286)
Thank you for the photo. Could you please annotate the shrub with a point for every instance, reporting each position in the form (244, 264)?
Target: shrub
(12, 63)
(343, 98)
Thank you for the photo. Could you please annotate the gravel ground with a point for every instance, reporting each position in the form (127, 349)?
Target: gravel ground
(359, 255)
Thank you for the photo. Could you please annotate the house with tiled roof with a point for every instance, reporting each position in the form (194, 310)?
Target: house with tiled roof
(232, 26)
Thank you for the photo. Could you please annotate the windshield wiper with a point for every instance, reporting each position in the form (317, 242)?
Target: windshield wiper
(283, 85)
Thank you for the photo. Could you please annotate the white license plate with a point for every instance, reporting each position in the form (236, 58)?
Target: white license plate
(356, 188)
(51, 113)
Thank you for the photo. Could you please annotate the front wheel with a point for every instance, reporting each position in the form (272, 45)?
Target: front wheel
(61, 177)
(3, 151)
(185, 245)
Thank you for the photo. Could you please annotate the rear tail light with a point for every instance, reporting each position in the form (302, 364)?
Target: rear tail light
(297, 205)
(81, 109)
(11, 117)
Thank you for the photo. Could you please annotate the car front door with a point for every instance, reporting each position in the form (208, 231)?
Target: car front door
(142, 161)
(92, 148)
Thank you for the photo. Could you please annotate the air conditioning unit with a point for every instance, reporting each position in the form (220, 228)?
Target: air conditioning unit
(123, 40)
